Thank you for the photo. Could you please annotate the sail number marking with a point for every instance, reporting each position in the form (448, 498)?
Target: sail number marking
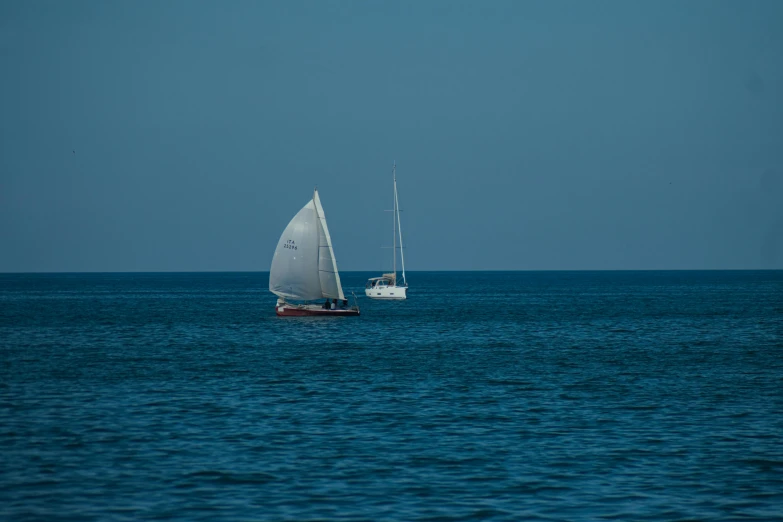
(291, 244)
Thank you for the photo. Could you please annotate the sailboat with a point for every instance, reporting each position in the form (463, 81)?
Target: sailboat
(387, 286)
(304, 268)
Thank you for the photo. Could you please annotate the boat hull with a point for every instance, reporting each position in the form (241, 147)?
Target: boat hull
(314, 311)
(389, 292)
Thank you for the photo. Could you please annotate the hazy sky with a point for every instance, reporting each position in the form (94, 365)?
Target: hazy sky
(163, 135)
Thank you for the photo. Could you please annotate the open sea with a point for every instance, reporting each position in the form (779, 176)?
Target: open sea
(486, 396)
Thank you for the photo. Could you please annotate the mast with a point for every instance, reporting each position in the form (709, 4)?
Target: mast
(394, 225)
(399, 229)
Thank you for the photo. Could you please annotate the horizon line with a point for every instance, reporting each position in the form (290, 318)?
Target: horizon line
(407, 271)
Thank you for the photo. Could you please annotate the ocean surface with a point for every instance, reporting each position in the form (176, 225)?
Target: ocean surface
(486, 396)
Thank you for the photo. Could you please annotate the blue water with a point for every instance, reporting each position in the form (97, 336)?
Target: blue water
(495, 396)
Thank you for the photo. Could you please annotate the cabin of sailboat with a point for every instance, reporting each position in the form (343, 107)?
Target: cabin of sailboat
(304, 267)
(387, 286)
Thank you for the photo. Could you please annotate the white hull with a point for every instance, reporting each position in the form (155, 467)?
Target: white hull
(387, 292)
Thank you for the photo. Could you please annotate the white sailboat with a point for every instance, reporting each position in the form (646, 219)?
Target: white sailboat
(304, 267)
(387, 286)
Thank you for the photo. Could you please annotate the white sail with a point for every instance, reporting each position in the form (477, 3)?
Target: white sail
(294, 271)
(304, 266)
(327, 264)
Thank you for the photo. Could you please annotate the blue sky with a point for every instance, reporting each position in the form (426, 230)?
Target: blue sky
(184, 135)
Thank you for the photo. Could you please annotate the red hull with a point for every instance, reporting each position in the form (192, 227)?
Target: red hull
(312, 312)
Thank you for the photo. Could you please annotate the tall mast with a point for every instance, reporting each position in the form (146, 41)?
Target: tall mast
(399, 229)
(394, 225)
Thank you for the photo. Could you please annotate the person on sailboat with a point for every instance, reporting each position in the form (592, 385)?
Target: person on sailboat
(327, 305)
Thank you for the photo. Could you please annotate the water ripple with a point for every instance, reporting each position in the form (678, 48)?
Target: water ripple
(498, 396)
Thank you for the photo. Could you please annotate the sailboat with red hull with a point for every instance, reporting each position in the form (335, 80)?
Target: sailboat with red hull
(304, 274)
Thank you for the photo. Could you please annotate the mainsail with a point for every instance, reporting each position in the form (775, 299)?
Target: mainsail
(304, 266)
(327, 264)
